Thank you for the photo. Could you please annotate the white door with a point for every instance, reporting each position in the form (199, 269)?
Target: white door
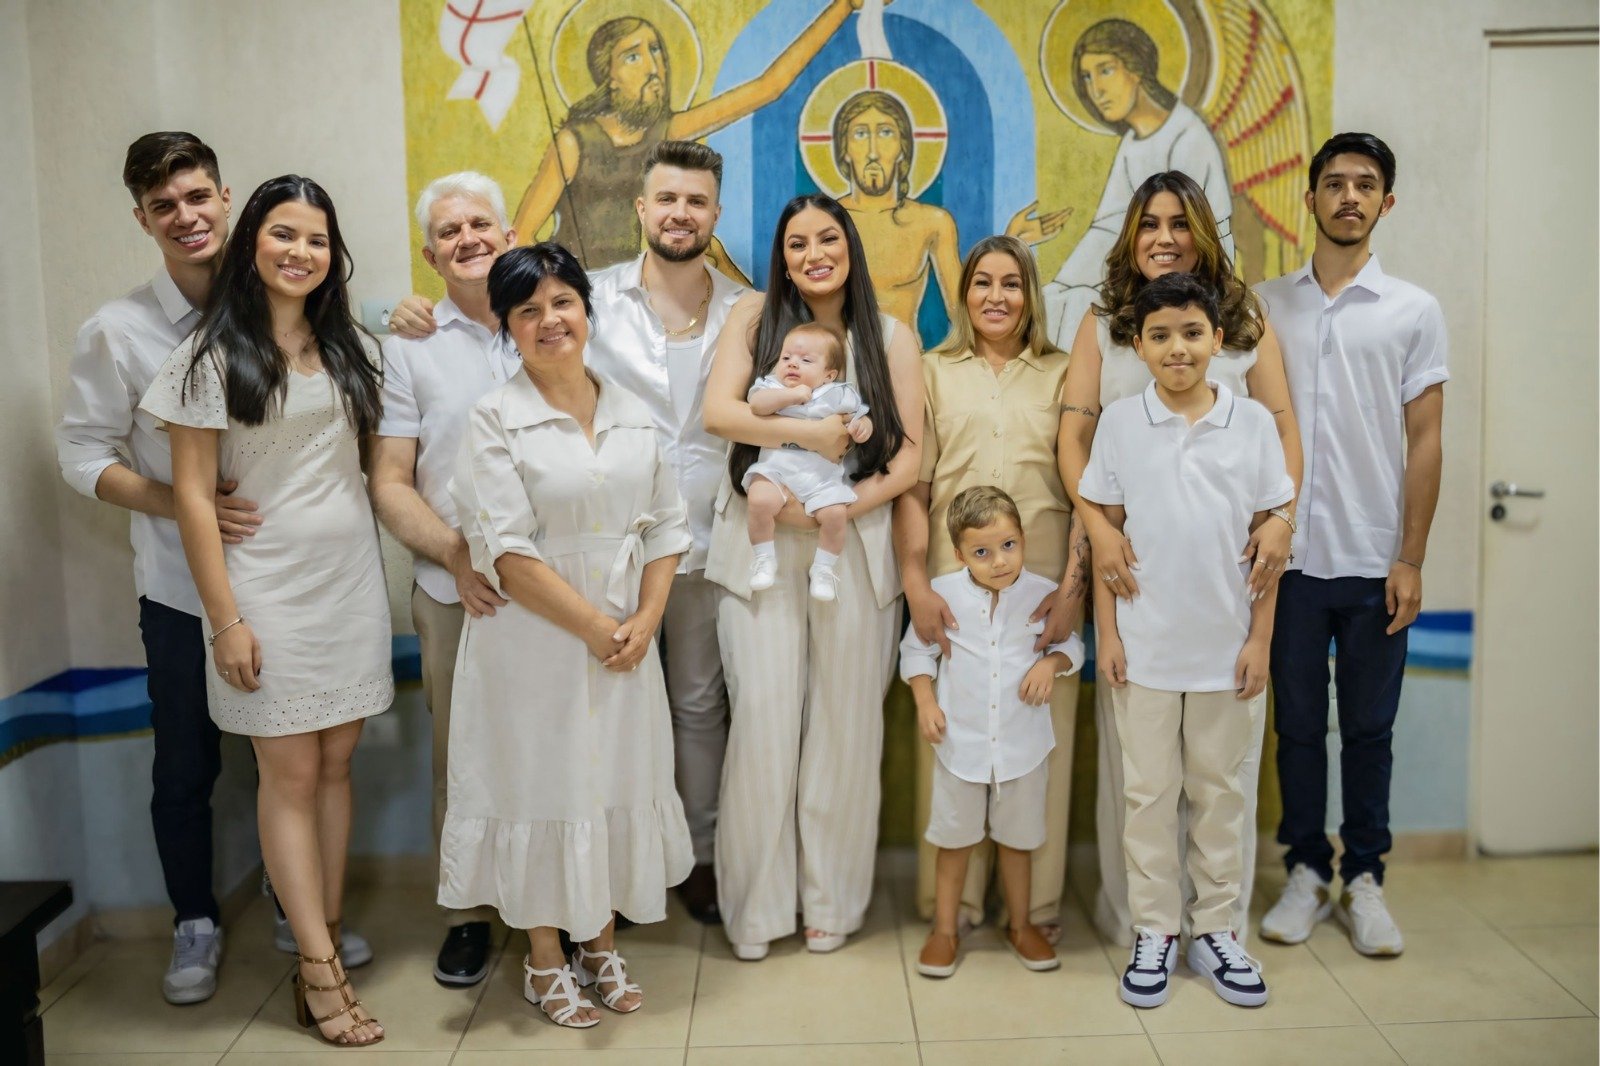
(1535, 657)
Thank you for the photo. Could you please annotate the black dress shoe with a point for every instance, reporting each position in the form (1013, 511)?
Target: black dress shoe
(699, 895)
(464, 956)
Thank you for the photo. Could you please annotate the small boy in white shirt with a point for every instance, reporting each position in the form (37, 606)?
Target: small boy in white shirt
(803, 384)
(1188, 470)
(988, 717)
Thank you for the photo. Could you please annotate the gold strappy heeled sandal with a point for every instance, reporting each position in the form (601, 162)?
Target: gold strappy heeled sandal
(302, 1011)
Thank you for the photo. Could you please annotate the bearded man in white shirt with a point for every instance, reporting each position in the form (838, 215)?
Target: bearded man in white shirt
(656, 320)
(1365, 355)
(429, 385)
(110, 450)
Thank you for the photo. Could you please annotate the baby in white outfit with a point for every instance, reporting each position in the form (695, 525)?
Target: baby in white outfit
(803, 384)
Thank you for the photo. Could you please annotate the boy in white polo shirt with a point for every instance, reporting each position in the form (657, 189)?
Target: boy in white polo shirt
(988, 717)
(1188, 469)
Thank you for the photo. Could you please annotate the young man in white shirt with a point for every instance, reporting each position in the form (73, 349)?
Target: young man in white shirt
(656, 320)
(1365, 355)
(1189, 470)
(110, 450)
(429, 385)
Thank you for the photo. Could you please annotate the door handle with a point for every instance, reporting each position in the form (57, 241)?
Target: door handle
(1501, 489)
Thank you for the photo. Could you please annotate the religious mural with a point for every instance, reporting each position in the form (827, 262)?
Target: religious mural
(934, 122)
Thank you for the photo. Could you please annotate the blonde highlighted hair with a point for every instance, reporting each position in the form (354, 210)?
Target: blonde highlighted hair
(1033, 328)
(976, 507)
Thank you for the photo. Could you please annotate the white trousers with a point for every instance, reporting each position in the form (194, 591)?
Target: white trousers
(699, 699)
(1111, 913)
(798, 823)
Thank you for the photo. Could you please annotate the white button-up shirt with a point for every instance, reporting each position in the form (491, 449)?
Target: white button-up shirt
(429, 385)
(1354, 361)
(628, 346)
(117, 355)
(1190, 492)
(990, 734)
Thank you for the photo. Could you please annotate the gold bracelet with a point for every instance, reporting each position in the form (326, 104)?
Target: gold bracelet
(212, 639)
(1283, 513)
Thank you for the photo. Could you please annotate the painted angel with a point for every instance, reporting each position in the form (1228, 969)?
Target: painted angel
(1240, 129)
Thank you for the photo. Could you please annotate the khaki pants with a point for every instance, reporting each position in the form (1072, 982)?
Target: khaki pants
(439, 628)
(1049, 862)
(1188, 745)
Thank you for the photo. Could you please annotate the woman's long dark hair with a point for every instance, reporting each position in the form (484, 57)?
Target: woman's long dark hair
(784, 308)
(236, 328)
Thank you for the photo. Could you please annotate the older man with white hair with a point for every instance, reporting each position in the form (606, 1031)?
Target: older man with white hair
(430, 383)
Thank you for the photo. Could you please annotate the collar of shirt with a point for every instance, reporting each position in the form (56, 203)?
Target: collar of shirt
(524, 405)
(724, 290)
(1026, 355)
(1220, 415)
(983, 593)
(1370, 278)
(496, 343)
(174, 304)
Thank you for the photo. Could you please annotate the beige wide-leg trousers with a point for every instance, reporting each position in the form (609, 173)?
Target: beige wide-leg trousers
(1048, 881)
(439, 628)
(1113, 915)
(798, 817)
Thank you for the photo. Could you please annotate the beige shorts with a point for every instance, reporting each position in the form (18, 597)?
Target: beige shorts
(1015, 810)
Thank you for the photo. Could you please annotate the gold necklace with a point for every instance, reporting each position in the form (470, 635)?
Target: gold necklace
(649, 298)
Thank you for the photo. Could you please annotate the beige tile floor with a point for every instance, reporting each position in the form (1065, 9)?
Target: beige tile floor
(1500, 967)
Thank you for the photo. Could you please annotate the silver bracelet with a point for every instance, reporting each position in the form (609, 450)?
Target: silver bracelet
(212, 639)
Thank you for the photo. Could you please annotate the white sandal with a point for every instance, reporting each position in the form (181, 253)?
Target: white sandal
(564, 987)
(611, 970)
(825, 942)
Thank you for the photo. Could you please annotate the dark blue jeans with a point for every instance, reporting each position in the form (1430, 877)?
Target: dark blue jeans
(188, 756)
(1368, 665)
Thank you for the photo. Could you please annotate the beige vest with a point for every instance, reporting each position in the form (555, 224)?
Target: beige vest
(730, 555)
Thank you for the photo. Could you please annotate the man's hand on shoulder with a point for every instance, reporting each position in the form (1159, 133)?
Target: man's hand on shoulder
(413, 318)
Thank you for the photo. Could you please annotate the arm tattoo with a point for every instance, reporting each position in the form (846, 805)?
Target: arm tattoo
(1087, 412)
(1078, 558)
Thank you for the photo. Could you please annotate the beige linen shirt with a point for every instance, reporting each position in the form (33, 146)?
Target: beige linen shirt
(983, 428)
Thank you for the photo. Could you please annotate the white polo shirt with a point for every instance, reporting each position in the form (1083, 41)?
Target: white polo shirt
(116, 357)
(429, 385)
(1190, 493)
(990, 734)
(1354, 361)
(629, 347)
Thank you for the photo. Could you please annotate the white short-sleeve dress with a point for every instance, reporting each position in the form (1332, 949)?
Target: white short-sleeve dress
(310, 582)
(562, 805)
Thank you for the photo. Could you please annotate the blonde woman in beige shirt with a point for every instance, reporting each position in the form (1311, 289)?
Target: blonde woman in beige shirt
(992, 416)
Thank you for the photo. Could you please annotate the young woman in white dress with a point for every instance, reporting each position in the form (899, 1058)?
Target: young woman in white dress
(1169, 228)
(806, 679)
(274, 391)
(562, 810)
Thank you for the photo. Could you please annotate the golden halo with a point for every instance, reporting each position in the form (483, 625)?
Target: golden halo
(569, 45)
(1071, 18)
(929, 127)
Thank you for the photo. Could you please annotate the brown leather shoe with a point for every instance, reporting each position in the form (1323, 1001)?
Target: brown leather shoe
(938, 958)
(1031, 948)
(699, 895)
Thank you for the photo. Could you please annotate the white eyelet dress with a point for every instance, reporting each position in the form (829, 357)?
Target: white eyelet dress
(562, 805)
(310, 582)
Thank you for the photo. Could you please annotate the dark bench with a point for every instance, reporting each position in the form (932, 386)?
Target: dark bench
(25, 908)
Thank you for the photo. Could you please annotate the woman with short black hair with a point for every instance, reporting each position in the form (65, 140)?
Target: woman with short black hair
(562, 810)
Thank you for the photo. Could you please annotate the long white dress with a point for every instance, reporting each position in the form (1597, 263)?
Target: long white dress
(562, 806)
(310, 582)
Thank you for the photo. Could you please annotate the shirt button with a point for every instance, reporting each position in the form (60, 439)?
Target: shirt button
(597, 527)
(483, 516)
(997, 433)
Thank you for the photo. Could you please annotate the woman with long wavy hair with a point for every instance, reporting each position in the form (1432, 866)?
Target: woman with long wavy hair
(1169, 228)
(800, 791)
(275, 391)
(993, 417)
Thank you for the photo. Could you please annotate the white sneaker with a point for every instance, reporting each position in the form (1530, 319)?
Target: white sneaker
(763, 572)
(1364, 913)
(748, 952)
(353, 948)
(1235, 976)
(1304, 903)
(196, 952)
(824, 585)
(1145, 982)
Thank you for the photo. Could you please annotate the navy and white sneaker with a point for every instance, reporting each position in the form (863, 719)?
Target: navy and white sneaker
(1146, 981)
(1235, 976)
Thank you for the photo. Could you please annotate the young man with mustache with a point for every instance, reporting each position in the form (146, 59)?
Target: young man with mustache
(1365, 354)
